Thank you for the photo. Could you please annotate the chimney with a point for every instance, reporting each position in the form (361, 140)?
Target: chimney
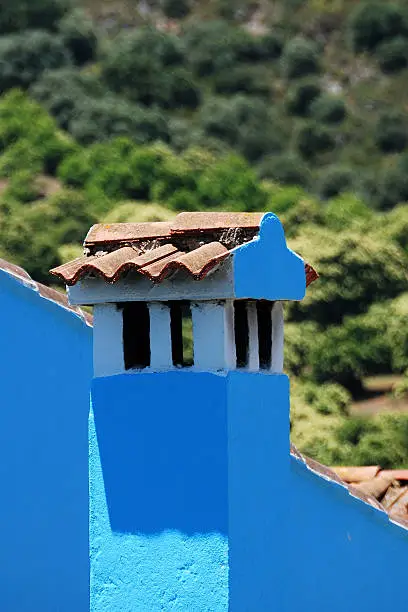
(190, 409)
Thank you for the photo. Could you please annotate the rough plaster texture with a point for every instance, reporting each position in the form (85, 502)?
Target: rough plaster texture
(266, 268)
(175, 482)
(196, 504)
(46, 363)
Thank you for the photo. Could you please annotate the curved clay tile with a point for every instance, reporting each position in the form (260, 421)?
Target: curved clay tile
(112, 265)
(197, 263)
(311, 274)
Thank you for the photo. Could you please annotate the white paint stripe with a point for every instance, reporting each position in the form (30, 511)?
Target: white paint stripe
(160, 336)
(277, 337)
(253, 357)
(213, 335)
(108, 340)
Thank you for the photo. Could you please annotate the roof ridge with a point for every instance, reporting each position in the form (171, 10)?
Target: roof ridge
(47, 293)
(328, 474)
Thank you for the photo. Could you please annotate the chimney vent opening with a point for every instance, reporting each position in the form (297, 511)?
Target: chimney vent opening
(181, 325)
(136, 335)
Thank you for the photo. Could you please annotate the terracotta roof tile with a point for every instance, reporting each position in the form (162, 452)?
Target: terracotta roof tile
(15, 270)
(159, 270)
(376, 486)
(71, 271)
(356, 474)
(399, 508)
(46, 292)
(311, 274)
(392, 496)
(126, 232)
(199, 241)
(111, 266)
(199, 262)
(328, 474)
(397, 474)
(205, 221)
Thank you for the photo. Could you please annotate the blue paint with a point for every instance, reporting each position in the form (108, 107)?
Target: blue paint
(196, 504)
(45, 362)
(266, 268)
(163, 446)
(159, 495)
(345, 553)
(258, 446)
(178, 472)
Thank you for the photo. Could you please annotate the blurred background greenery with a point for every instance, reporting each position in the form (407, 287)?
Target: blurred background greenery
(122, 111)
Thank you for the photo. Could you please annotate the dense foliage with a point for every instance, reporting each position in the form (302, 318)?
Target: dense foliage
(315, 84)
(101, 122)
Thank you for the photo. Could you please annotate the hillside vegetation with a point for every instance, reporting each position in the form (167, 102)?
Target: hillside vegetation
(294, 107)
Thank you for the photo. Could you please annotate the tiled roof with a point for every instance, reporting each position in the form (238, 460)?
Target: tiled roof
(45, 292)
(386, 490)
(194, 242)
(390, 487)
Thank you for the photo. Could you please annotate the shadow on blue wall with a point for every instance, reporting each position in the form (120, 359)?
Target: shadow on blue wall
(46, 362)
(163, 449)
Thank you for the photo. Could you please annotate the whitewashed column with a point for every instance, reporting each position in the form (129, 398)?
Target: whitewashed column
(277, 338)
(108, 354)
(253, 346)
(160, 336)
(213, 335)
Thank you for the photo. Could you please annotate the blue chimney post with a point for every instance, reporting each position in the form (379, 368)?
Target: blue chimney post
(184, 514)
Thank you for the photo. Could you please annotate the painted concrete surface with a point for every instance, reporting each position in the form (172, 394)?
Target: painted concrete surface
(266, 268)
(196, 504)
(179, 464)
(46, 362)
(258, 452)
(159, 493)
(345, 554)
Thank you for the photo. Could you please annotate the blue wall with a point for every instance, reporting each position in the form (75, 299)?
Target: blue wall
(258, 449)
(196, 505)
(266, 269)
(159, 513)
(346, 555)
(45, 362)
(183, 509)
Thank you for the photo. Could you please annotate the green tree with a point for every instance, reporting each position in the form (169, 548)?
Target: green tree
(232, 184)
(246, 124)
(35, 52)
(31, 14)
(287, 169)
(314, 139)
(141, 65)
(391, 132)
(300, 97)
(392, 55)
(335, 180)
(79, 35)
(63, 92)
(328, 109)
(300, 58)
(99, 120)
(357, 268)
(371, 23)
